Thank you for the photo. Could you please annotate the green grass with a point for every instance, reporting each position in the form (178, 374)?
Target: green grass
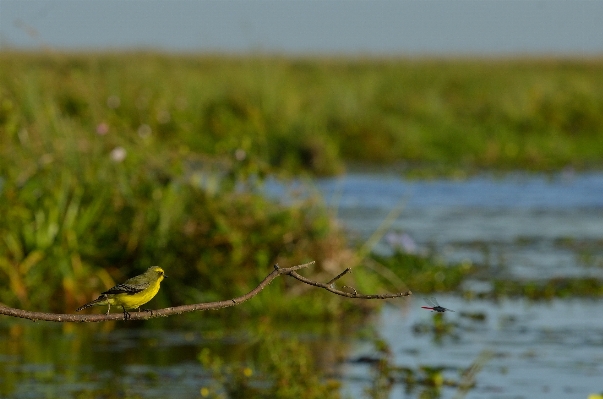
(110, 163)
(73, 226)
(556, 287)
(317, 114)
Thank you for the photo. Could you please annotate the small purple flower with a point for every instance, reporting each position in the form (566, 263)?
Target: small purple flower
(402, 241)
(102, 128)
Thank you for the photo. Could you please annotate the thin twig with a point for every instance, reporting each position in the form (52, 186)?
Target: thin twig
(347, 294)
(145, 315)
(340, 275)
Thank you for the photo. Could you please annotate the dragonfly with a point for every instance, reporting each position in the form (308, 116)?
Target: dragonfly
(435, 306)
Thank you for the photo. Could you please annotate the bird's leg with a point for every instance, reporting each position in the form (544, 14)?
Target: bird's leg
(109, 308)
(126, 314)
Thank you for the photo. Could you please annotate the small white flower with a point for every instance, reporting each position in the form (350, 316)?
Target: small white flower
(163, 116)
(118, 154)
(240, 154)
(144, 130)
(113, 101)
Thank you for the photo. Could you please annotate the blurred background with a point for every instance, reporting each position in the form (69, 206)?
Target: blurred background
(451, 148)
(301, 27)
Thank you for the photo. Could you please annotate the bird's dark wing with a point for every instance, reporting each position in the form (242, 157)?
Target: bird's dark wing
(126, 288)
(131, 285)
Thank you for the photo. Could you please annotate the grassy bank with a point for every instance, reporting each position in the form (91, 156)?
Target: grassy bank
(110, 163)
(318, 114)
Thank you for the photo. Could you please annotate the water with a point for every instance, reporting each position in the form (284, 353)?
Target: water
(153, 359)
(529, 226)
(552, 350)
(523, 226)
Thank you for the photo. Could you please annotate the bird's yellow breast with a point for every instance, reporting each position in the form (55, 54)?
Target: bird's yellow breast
(134, 301)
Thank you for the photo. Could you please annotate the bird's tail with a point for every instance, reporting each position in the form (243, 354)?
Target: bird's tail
(98, 301)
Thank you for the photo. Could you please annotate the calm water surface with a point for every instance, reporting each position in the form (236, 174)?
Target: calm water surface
(531, 226)
(552, 350)
(524, 226)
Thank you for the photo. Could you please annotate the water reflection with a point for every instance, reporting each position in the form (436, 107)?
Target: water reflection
(535, 350)
(152, 359)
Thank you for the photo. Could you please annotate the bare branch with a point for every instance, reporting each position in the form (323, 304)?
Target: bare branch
(346, 294)
(340, 275)
(150, 314)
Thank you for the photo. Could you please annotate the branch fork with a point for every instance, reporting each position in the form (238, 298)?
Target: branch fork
(145, 315)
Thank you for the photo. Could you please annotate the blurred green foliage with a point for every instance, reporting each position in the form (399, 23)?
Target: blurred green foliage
(315, 114)
(110, 163)
(101, 177)
(426, 273)
(555, 287)
(74, 221)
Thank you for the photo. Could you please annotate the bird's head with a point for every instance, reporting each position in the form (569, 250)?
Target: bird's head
(156, 270)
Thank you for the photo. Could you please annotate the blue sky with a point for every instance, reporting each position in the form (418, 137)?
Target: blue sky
(302, 26)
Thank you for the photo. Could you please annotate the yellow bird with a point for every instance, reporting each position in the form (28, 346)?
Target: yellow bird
(131, 294)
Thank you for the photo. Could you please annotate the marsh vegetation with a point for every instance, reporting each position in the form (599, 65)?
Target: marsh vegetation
(111, 163)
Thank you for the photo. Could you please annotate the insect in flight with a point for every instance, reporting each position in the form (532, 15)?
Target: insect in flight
(435, 306)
